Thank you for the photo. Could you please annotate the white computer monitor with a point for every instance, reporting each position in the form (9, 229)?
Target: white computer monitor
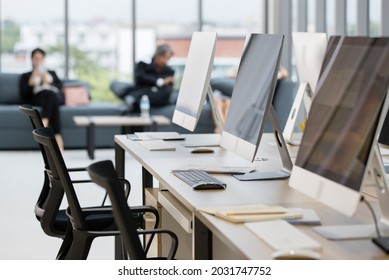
(339, 150)
(309, 49)
(195, 82)
(251, 103)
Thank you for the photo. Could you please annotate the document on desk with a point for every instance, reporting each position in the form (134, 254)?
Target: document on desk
(157, 145)
(252, 213)
(144, 136)
(219, 169)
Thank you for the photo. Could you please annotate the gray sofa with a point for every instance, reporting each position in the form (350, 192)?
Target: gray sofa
(283, 100)
(15, 128)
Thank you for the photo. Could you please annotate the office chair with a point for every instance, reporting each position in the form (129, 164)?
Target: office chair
(85, 223)
(53, 220)
(103, 173)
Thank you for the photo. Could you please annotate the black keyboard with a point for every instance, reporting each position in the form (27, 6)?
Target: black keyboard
(199, 179)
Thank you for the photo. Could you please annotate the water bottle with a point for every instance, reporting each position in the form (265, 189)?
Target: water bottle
(145, 107)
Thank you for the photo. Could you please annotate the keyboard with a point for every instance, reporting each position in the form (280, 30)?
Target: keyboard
(199, 179)
(280, 235)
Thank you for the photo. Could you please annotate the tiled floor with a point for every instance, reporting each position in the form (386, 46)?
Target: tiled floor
(21, 177)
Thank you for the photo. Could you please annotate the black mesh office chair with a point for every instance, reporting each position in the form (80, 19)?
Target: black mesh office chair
(86, 223)
(103, 173)
(53, 220)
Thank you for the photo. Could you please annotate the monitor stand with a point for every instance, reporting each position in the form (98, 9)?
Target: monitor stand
(378, 179)
(215, 109)
(287, 164)
(304, 96)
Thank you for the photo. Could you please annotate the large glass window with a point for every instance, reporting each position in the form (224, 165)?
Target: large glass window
(330, 18)
(352, 17)
(169, 21)
(100, 43)
(233, 20)
(27, 25)
(375, 17)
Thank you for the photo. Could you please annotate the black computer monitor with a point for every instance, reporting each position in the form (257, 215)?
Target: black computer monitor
(339, 154)
(251, 103)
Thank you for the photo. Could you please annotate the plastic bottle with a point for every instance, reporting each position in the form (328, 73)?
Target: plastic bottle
(145, 107)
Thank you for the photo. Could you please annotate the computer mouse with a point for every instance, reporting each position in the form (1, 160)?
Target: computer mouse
(202, 151)
(297, 254)
(209, 186)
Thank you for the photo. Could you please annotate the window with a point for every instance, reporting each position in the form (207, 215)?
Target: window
(173, 24)
(100, 44)
(375, 18)
(232, 20)
(25, 27)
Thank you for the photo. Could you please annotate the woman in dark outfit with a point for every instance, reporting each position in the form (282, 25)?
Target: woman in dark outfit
(41, 87)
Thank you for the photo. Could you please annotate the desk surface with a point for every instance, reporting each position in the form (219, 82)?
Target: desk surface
(237, 237)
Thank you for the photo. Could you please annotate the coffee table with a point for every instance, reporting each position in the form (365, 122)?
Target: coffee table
(90, 122)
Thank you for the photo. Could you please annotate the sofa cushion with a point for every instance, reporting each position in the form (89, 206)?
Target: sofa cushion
(75, 95)
(9, 88)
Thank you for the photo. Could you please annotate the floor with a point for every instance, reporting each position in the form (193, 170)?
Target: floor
(21, 177)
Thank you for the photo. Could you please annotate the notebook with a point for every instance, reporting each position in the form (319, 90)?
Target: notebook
(141, 136)
(252, 213)
(157, 145)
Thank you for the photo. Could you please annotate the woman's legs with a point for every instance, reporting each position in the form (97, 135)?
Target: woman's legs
(50, 102)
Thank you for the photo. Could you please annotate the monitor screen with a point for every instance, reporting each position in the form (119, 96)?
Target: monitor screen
(195, 80)
(309, 50)
(252, 94)
(343, 119)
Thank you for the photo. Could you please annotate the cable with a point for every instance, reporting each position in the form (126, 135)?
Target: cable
(373, 214)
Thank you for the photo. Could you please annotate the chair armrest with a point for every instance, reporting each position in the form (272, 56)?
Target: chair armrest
(173, 236)
(120, 88)
(77, 169)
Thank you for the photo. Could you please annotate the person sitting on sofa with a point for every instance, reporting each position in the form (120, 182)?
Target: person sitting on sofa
(42, 87)
(153, 79)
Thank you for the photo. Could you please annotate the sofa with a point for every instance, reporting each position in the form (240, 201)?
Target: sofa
(284, 95)
(15, 128)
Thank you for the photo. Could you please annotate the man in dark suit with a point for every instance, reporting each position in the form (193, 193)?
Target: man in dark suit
(153, 79)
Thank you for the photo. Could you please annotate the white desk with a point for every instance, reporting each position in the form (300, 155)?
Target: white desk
(236, 237)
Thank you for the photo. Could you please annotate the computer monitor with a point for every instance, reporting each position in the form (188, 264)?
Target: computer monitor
(195, 82)
(251, 104)
(339, 148)
(309, 49)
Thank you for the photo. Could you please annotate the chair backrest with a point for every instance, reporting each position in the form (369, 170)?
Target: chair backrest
(104, 174)
(50, 197)
(59, 174)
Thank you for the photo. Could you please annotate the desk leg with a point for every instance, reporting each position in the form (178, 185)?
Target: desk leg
(202, 241)
(90, 138)
(119, 160)
(119, 165)
(147, 182)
